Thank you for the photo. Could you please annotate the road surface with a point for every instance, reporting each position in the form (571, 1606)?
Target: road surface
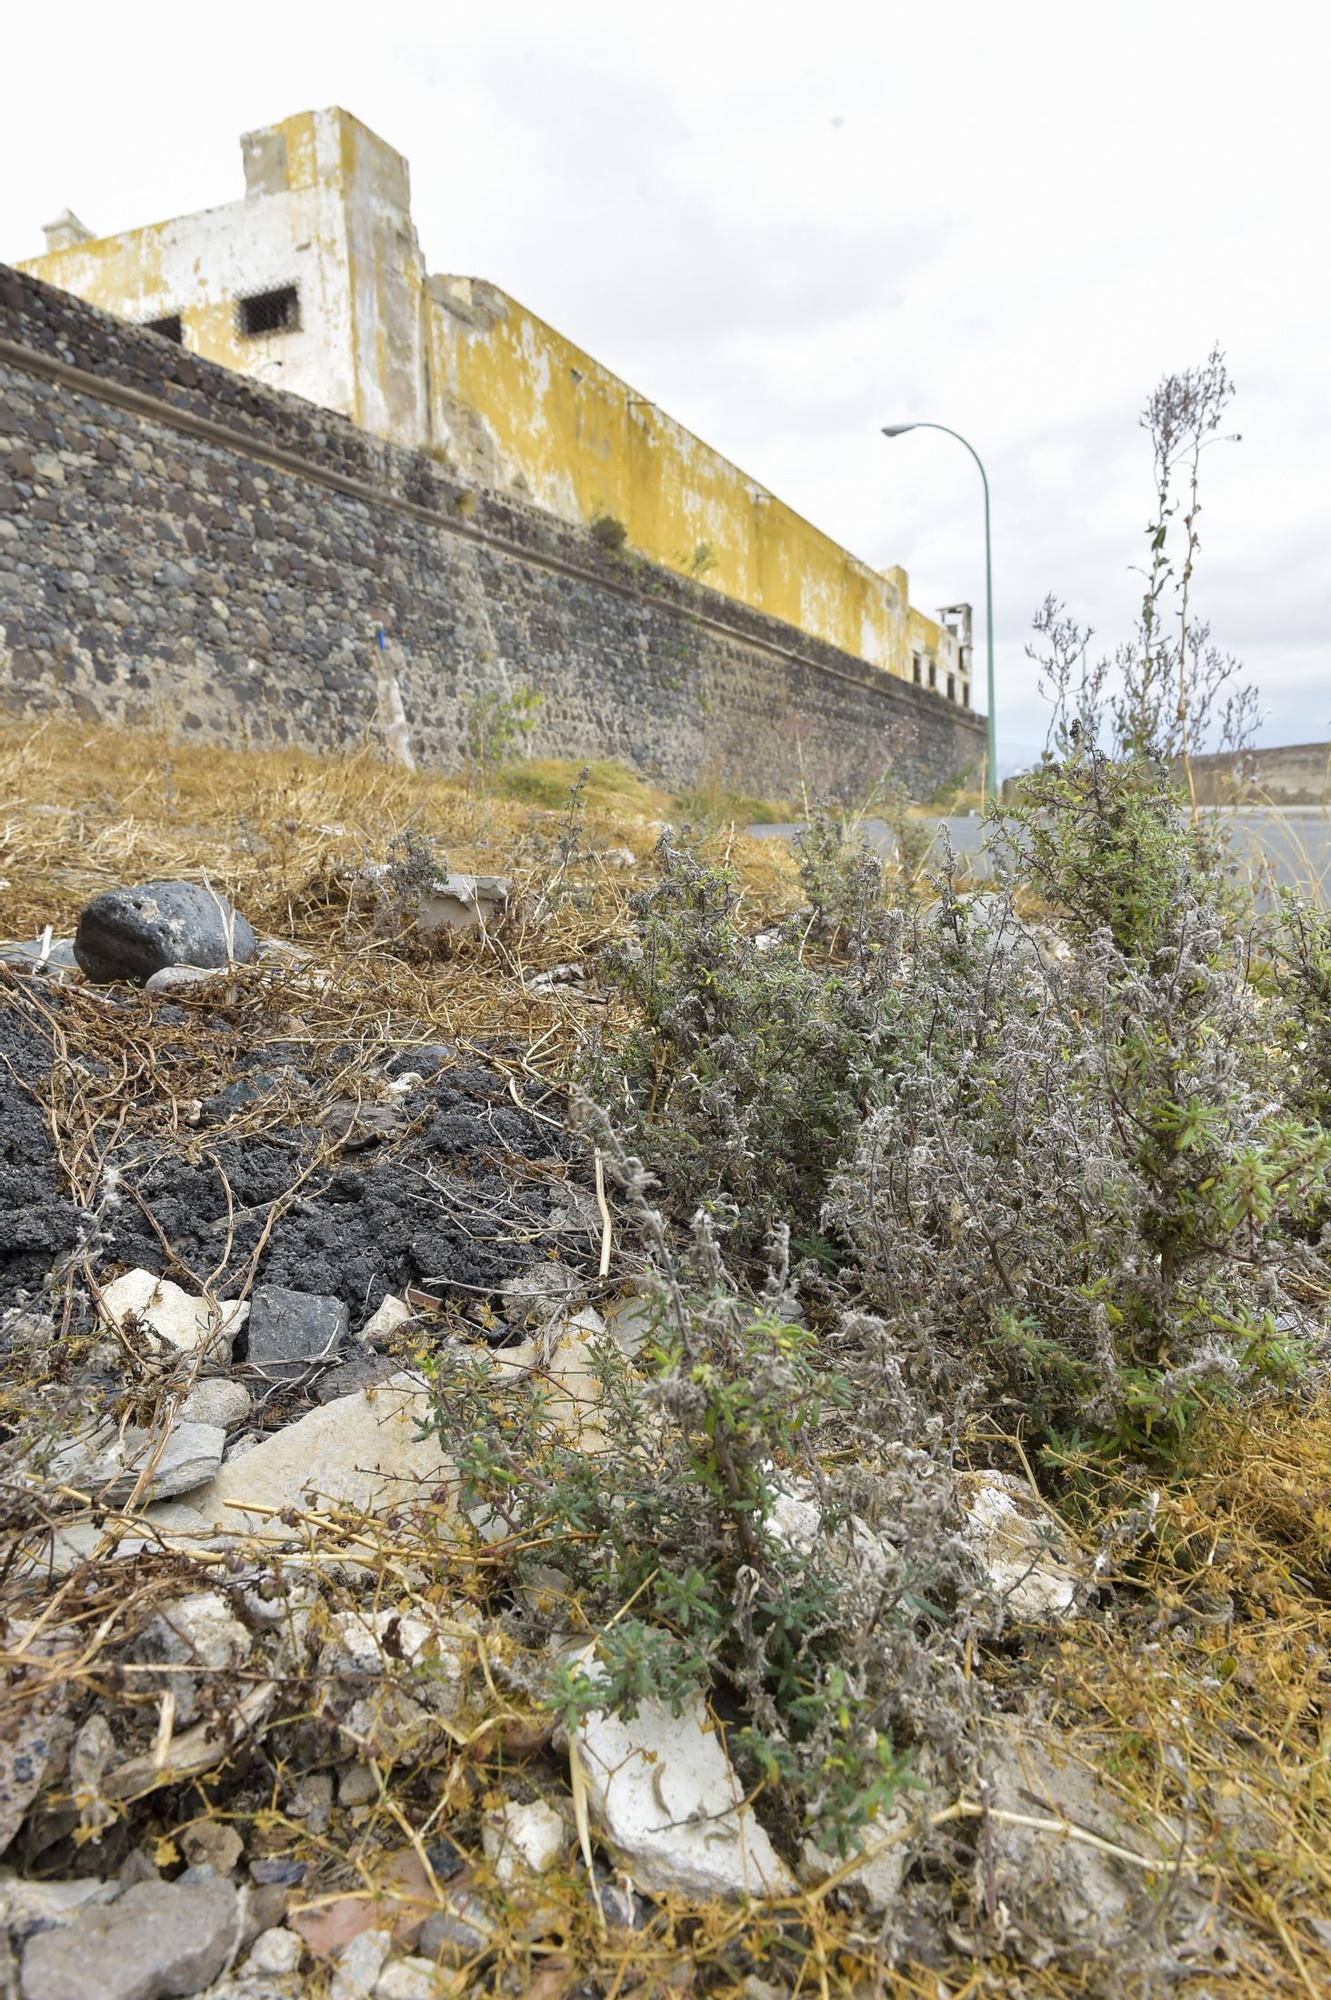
(1291, 847)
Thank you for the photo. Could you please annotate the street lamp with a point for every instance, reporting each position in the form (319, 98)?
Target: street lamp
(899, 430)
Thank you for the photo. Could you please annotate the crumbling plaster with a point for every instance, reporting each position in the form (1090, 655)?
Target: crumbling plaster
(455, 366)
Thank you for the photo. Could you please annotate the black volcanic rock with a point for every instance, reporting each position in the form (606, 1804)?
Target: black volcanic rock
(132, 933)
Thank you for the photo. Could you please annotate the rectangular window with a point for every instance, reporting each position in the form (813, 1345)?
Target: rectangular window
(951, 687)
(965, 694)
(933, 674)
(919, 676)
(269, 312)
(169, 328)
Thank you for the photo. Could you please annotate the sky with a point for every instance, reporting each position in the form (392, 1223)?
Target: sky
(791, 225)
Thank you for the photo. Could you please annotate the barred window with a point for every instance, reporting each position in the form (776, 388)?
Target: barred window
(269, 312)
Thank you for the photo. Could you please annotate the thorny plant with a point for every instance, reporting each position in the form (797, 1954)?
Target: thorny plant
(1160, 693)
(696, 1536)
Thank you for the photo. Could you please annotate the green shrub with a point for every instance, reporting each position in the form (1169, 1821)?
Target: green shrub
(667, 1535)
(748, 1066)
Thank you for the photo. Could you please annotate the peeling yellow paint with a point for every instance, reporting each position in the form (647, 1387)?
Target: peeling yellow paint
(458, 367)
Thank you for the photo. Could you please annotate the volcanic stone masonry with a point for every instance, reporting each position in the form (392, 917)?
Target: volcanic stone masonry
(181, 545)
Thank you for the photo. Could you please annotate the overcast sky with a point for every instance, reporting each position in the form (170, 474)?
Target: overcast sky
(791, 224)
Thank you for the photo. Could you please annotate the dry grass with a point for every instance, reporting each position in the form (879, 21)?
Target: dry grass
(1202, 1693)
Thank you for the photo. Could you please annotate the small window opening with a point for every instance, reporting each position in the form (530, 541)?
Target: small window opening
(269, 312)
(933, 673)
(965, 694)
(951, 687)
(919, 673)
(169, 328)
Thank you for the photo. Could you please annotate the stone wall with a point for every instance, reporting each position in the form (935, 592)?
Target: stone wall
(180, 544)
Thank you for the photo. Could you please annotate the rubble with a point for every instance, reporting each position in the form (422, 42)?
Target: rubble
(670, 1808)
(133, 933)
(158, 1939)
(163, 1309)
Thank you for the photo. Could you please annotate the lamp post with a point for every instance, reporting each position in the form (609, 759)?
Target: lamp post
(899, 430)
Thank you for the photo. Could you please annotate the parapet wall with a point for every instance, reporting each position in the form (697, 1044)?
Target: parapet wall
(181, 544)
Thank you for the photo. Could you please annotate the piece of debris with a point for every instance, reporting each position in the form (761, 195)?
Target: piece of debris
(158, 1939)
(132, 933)
(463, 903)
(291, 1333)
(170, 1313)
(364, 1453)
(109, 1464)
(672, 1810)
(523, 1839)
(1029, 1557)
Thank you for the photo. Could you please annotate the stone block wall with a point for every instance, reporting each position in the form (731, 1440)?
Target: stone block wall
(180, 544)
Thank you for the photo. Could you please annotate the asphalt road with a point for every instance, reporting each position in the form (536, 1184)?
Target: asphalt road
(1291, 847)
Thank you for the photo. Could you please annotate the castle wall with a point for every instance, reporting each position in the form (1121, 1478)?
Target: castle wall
(457, 366)
(181, 544)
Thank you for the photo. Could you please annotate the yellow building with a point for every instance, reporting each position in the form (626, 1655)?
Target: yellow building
(315, 283)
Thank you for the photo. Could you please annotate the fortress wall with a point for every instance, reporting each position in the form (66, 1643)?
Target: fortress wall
(180, 543)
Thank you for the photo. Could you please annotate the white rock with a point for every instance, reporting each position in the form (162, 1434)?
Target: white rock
(360, 1452)
(383, 1323)
(359, 1966)
(181, 978)
(195, 1633)
(275, 1951)
(575, 1389)
(217, 1400)
(171, 1314)
(108, 1464)
(887, 1850)
(1028, 1557)
(522, 1840)
(32, 1906)
(671, 1807)
(362, 1641)
(462, 903)
(410, 1979)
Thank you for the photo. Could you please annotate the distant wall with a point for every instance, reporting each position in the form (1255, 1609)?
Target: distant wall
(456, 366)
(179, 543)
(1288, 774)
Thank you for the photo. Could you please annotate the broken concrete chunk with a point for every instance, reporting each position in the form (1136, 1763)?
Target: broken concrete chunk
(195, 1633)
(38, 1906)
(171, 1314)
(158, 1939)
(463, 903)
(108, 1464)
(217, 1400)
(132, 933)
(391, 1314)
(1029, 1557)
(671, 1808)
(523, 1839)
(292, 1332)
(363, 1452)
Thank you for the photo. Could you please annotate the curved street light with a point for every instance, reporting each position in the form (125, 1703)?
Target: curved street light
(899, 430)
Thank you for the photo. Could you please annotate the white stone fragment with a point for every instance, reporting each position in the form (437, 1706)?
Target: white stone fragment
(412, 1979)
(359, 1966)
(170, 1313)
(385, 1321)
(217, 1400)
(671, 1808)
(275, 1951)
(362, 1451)
(1029, 1558)
(522, 1840)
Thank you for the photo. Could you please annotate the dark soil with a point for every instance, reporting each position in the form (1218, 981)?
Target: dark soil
(38, 1222)
(456, 1205)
